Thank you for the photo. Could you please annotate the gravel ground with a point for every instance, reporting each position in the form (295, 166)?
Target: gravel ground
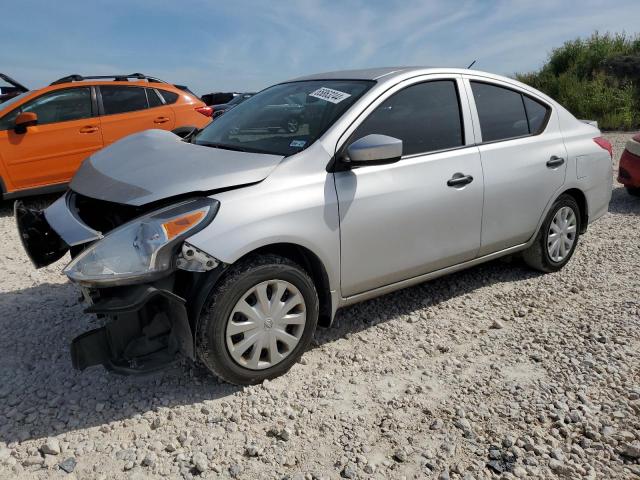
(495, 369)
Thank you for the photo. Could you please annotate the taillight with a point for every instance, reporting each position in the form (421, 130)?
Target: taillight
(605, 144)
(206, 111)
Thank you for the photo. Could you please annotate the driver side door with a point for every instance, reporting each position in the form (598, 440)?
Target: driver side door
(402, 220)
(50, 152)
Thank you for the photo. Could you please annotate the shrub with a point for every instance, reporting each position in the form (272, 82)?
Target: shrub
(596, 78)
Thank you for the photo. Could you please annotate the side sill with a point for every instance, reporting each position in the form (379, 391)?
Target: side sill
(429, 276)
(28, 192)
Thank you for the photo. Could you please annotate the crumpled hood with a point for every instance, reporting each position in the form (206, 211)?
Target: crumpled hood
(156, 164)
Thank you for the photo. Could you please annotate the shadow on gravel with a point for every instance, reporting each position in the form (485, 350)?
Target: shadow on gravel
(40, 393)
(623, 203)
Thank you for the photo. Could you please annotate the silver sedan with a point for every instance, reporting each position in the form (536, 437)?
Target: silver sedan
(232, 244)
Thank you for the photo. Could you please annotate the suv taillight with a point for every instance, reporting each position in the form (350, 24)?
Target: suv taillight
(605, 144)
(206, 111)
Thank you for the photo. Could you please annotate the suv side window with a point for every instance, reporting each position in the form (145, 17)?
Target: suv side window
(501, 112)
(426, 117)
(169, 97)
(53, 107)
(154, 98)
(119, 99)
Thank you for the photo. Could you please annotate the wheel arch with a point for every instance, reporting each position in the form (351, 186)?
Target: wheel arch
(312, 264)
(581, 199)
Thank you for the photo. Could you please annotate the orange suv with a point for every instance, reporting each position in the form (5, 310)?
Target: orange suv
(45, 134)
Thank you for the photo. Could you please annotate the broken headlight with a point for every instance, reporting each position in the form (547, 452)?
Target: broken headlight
(143, 248)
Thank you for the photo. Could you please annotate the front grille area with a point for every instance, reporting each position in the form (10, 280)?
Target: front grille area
(104, 216)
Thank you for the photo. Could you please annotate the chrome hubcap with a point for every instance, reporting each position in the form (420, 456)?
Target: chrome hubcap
(266, 324)
(562, 234)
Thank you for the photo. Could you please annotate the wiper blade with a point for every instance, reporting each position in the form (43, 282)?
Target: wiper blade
(235, 148)
(222, 146)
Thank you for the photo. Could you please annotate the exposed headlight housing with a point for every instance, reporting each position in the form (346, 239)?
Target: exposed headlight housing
(143, 248)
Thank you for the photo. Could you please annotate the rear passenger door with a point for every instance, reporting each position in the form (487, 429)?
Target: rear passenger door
(523, 160)
(129, 109)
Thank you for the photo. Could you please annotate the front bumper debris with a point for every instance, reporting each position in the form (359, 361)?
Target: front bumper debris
(148, 329)
(41, 242)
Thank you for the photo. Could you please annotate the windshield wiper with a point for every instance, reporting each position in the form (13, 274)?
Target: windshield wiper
(224, 146)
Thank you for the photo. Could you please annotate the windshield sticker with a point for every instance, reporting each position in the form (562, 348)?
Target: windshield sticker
(330, 95)
(297, 143)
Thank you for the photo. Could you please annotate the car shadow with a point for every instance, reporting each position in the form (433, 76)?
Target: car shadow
(41, 395)
(624, 203)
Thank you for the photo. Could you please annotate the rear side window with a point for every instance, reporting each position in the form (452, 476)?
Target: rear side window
(123, 99)
(53, 107)
(537, 113)
(154, 98)
(501, 112)
(169, 97)
(426, 117)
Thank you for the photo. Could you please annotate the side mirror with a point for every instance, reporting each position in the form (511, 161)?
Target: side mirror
(374, 149)
(24, 120)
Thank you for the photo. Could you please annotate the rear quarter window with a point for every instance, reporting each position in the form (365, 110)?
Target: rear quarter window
(537, 114)
(169, 97)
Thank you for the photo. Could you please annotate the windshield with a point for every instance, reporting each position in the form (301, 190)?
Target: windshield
(12, 100)
(237, 99)
(283, 119)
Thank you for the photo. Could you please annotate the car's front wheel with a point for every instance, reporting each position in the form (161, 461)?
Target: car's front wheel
(557, 238)
(258, 320)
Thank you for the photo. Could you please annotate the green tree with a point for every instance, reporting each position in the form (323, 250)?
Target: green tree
(597, 78)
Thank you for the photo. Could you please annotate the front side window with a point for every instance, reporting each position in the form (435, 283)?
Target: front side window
(283, 119)
(426, 117)
(501, 112)
(116, 99)
(53, 107)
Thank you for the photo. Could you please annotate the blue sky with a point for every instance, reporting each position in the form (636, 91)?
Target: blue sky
(249, 44)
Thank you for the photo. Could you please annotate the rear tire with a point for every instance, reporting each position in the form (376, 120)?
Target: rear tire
(277, 337)
(634, 191)
(558, 237)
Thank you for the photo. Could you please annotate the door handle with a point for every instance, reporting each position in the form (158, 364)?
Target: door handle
(89, 129)
(555, 162)
(161, 120)
(459, 180)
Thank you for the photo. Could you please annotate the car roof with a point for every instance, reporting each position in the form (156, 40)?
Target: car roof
(360, 74)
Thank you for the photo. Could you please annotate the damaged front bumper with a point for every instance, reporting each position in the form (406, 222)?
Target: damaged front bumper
(148, 329)
(147, 325)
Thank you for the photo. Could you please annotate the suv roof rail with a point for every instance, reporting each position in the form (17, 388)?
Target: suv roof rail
(116, 78)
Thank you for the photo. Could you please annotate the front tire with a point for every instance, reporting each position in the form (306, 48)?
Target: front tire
(258, 320)
(557, 239)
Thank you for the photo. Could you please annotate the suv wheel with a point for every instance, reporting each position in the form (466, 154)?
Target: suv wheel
(258, 320)
(557, 238)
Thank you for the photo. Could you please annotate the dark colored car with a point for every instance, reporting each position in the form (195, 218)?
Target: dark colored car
(217, 97)
(220, 108)
(10, 88)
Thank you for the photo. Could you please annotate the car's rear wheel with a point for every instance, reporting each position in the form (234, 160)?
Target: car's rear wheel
(258, 321)
(557, 238)
(635, 191)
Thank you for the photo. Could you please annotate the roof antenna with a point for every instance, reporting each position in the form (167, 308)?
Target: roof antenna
(472, 64)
